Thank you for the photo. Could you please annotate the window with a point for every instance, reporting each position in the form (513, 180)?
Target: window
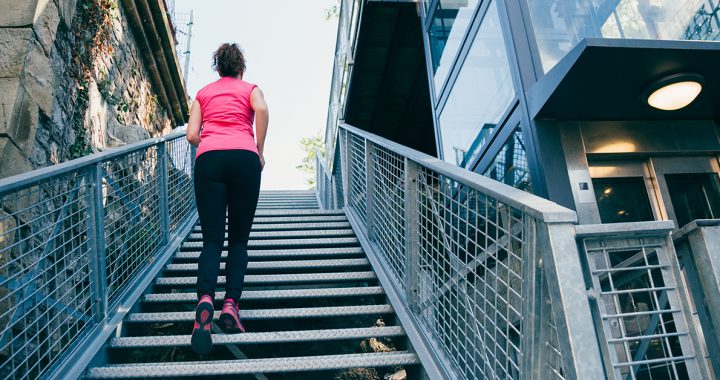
(622, 199)
(694, 196)
(560, 24)
(480, 96)
(511, 165)
(447, 29)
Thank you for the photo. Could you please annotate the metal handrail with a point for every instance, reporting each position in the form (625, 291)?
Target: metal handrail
(532, 204)
(78, 243)
(433, 234)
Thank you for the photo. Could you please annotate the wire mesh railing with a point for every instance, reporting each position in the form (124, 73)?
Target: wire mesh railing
(471, 259)
(644, 317)
(74, 236)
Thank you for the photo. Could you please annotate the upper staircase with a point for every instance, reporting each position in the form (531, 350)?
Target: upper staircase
(312, 306)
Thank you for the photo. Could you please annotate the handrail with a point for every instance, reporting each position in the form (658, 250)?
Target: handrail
(77, 239)
(24, 179)
(536, 206)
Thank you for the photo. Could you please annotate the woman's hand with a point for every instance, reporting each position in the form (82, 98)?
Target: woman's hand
(262, 161)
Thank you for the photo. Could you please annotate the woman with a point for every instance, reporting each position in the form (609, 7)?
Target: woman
(227, 179)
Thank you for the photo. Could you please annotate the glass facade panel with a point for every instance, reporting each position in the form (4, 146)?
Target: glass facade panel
(694, 196)
(480, 95)
(511, 164)
(560, 24)
(448, 26)
(622, 199)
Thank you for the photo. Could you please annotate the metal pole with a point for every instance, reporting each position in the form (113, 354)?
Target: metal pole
(187, 48)
(96, 240)
(164, 195)
(412, 251)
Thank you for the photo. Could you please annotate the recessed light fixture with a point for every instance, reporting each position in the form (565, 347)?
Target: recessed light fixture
(673, 92)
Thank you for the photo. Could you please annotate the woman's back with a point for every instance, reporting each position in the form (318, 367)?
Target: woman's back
(227, 116)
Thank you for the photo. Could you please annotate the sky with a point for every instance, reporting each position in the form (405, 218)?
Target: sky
(289, 47)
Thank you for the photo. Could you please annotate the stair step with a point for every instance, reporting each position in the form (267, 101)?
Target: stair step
(276, 278)
(256, 314)
(282, 213)
(299, 219)
(292, 226)
(285, 242)
(294, 264)
(288, 234)
(249, 295)
(261, 337)
(281, 253)
(250, 366)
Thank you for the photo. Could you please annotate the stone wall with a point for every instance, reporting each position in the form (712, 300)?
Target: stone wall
(72, 81)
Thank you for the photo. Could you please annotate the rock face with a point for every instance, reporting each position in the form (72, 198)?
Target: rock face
(72, 81)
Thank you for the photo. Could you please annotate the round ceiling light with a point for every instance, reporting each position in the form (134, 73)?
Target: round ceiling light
(673, 92)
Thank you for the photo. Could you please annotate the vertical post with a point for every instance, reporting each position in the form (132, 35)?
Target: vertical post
(369, 189)
(573, 317)
(96, 241)
(412, 221)
(163, 183)
(345, 165)
(187, 48)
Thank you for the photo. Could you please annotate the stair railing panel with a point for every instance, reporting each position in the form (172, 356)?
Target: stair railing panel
(468, 256)
(644, 317)
(74, 236)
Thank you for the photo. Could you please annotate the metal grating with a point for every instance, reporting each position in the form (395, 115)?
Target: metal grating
(640, 306)
(45, 294)
(181, 194)
(357, 180)
(133, 230)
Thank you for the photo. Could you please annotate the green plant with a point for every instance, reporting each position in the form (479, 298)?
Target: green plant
(311, 145)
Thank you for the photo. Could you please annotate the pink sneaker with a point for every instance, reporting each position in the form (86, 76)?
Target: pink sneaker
(201, 341)
(229, 318)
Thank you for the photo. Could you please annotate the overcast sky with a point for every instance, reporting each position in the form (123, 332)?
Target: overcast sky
(289, 48)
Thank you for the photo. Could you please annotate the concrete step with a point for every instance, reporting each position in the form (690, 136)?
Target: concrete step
(263, 314)
(194, 253)
(252, 295)
(251, 366)
(251, 279)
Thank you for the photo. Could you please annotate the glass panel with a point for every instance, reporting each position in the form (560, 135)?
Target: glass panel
(694, 196)
(480, 96)
(449, 23)
(560, 24)
(511, 165)
(622, 199)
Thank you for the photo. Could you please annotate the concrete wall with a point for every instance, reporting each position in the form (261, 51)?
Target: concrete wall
(72, 81)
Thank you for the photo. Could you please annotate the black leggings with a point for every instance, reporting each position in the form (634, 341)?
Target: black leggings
(225, 180)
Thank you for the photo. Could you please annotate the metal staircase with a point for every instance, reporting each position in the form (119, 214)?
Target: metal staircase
(311, 297)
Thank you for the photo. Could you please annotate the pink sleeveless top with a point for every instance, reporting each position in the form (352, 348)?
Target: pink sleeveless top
(227, 117)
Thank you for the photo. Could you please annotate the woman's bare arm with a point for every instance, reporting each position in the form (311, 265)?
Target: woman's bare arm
(193, 128)
(262, 118)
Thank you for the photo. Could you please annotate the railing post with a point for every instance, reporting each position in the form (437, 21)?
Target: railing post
(573, 317)
(369, 189)
(164, 195)
(345, 165)
(96, 240)
(412, 251)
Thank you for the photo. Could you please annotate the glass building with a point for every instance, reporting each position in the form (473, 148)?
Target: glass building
(549, 96)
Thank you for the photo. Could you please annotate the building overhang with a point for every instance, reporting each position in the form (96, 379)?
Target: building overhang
(604, 79)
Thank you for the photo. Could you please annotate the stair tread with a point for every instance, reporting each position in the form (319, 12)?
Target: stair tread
(255, 314)
(277, 242)
(283, 264)
(279, 213)
(272, 294)
(288, 233)
(265, 253)
(249, 366)
(293, 226)
(276, 278)
(292, 336)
